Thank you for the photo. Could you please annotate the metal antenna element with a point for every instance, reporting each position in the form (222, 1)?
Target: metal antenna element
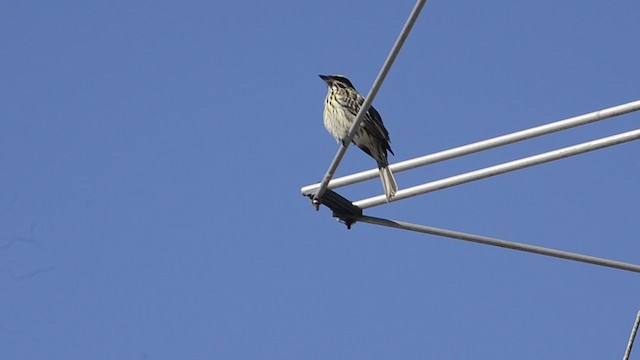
(317, 200)
(484, 145)
(503, 243)
(632, 337)
(502, 168)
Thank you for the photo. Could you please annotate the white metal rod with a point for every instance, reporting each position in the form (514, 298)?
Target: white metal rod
(501, 243)
(632, 337)
(502, 168)
(484, 145)
(368, 100)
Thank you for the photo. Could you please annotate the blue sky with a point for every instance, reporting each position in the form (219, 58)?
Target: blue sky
(152, 154)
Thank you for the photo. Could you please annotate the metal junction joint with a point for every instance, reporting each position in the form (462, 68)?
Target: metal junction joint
(342, 208)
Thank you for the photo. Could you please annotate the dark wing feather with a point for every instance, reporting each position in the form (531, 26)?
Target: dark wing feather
(373, 123)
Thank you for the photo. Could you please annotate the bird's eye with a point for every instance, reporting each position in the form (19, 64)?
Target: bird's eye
(340, 85)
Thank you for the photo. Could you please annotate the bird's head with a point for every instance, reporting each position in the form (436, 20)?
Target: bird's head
(337, 81)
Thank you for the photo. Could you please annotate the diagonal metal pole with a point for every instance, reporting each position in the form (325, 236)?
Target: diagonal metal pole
(501, 243)
(368, 100)
(632, 337)
(491, 143)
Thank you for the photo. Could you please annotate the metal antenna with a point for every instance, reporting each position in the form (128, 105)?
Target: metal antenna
(350, 212)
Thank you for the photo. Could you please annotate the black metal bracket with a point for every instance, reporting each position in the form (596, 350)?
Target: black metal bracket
(342, 208)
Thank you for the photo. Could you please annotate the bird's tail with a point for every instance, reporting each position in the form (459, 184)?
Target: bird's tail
(388, 182)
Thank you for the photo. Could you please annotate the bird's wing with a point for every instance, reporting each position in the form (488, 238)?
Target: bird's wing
(373, 123)
(374, 118)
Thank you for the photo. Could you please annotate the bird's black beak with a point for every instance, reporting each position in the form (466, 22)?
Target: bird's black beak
(325, 78)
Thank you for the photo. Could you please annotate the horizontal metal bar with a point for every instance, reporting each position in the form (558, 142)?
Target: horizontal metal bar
(484, 145)
(502, 168)
(368, 100)
(501, 243)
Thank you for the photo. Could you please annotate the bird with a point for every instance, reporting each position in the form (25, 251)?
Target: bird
(341, 106)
